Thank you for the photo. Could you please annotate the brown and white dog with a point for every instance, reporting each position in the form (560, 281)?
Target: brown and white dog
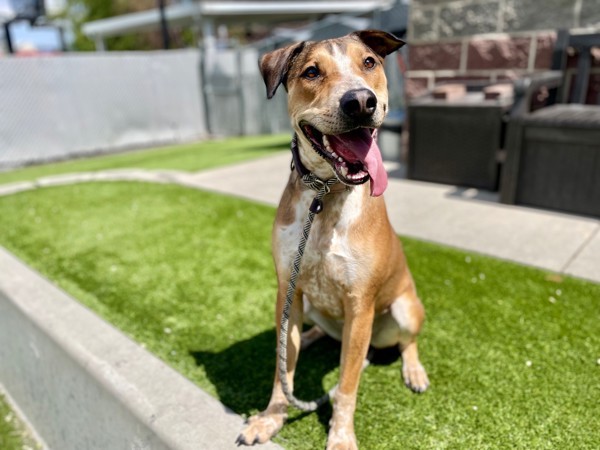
(354, 283)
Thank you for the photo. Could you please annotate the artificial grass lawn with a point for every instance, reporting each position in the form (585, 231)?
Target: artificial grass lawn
(13, 434)
(511, 351)
(187, 157)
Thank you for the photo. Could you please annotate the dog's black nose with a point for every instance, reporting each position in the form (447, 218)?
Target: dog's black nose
(359, 103)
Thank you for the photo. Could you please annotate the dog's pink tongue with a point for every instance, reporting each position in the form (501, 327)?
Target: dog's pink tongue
(360, 145)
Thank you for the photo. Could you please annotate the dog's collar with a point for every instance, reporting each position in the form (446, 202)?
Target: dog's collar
(296, 162)
(307, 177)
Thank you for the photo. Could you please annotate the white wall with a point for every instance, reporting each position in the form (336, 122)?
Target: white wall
(55, 106)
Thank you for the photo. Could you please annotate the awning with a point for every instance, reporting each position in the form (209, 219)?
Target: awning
(227, 12)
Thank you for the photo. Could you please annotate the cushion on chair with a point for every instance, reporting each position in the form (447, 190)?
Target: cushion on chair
(569, 115)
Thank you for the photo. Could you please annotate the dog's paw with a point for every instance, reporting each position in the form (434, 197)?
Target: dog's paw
(341, 440)
(415, 377)
(260, 428)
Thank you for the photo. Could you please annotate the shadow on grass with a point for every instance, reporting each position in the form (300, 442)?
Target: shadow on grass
(384, 356)
(243, 373)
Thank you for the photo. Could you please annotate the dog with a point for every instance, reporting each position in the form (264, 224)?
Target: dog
(354, 283)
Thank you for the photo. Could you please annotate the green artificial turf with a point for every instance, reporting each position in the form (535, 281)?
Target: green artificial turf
(512, 352)
(13, 434)
(186, 157)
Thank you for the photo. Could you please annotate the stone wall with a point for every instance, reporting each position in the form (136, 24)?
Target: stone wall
(489, 40)
(432, 20)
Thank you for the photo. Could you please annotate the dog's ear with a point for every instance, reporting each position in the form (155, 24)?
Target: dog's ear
(274, 66)
(380, 42)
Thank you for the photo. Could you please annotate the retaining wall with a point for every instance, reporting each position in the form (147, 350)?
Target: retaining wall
(82, 384)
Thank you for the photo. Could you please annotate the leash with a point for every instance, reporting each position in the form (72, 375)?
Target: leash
(322, 188)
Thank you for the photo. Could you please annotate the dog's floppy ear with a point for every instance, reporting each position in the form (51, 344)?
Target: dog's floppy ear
(274, 66)
(380, 42)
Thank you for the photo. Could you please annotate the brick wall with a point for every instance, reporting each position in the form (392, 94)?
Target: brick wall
(489, 40)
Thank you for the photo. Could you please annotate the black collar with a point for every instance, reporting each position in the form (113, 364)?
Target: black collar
(310, 180)
(307, 177)
(296, 162)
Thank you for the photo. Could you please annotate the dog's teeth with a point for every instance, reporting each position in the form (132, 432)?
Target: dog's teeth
(340, 159)
(326, 142)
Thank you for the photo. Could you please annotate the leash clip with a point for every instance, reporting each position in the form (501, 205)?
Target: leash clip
(316, 206)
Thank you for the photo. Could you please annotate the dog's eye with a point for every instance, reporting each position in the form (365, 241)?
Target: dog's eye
(369, 62)
(311, 73)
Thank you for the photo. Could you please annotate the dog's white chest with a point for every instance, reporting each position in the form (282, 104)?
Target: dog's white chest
(330, 265)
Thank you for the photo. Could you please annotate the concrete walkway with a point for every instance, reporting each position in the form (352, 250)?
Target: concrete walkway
(463, 218)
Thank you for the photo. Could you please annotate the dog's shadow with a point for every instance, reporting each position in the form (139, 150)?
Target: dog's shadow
(243, 373)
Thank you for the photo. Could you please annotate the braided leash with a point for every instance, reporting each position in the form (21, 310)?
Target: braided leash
(322, 188)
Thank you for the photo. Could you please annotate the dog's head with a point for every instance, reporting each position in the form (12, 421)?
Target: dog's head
(337, 99)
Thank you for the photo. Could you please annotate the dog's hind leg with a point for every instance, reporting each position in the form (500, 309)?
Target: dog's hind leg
(413, 372)
(409, 314)
(315, 333)
(400, 326)
(309, 337)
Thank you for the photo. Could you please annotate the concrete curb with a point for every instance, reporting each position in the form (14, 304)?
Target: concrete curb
(82, 384)
(32, 434)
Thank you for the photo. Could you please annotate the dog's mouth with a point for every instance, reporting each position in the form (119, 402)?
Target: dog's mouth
(354, 156)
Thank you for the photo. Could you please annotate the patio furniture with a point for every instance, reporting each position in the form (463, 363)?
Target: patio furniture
(390, 135)
(456, 134)
(553, 153)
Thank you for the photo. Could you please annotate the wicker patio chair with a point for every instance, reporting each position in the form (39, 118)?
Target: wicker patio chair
(553, 153)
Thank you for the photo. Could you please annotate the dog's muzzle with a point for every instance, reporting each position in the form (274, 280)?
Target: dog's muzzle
(354, 155)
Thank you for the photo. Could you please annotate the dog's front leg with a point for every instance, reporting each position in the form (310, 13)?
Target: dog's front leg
(264, 426)
(358, 323)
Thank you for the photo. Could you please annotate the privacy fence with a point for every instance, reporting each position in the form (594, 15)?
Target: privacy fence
(235, 95)
(53, 107)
